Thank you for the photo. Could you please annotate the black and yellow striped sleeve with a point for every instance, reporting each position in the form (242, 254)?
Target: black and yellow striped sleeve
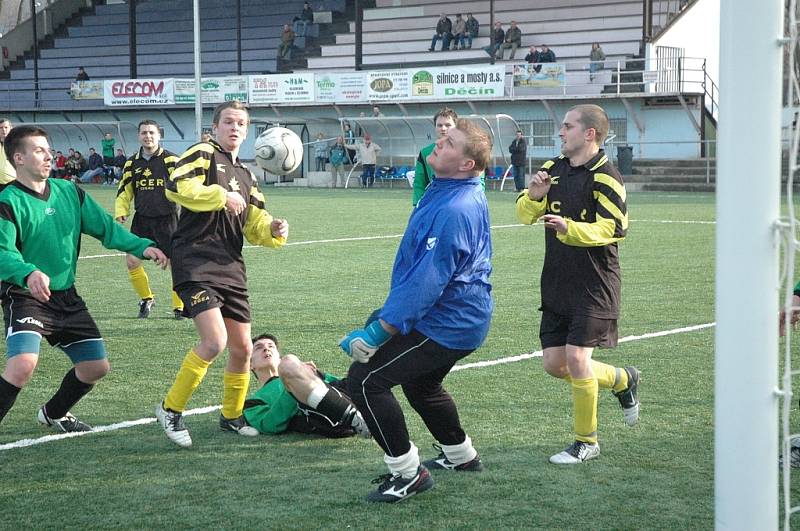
(170, 160)
(122, 204)
(611, 216)
(186, 186)
(257, 226)
(528, 210)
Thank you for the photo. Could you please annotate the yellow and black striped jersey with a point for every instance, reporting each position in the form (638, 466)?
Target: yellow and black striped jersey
(144, 182)
(581, 273)
(7, 171)
(207, 245)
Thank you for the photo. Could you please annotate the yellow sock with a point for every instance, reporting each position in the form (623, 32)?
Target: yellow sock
(584, 408)
(189, 376)
(141, 284)
(177, 303)
(234, 392)
(610, 377)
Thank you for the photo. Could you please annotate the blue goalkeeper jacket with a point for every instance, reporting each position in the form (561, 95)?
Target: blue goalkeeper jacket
(440, 279)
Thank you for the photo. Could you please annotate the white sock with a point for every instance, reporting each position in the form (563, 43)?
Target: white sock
(317, 394)
(459, 454)
(406, 465)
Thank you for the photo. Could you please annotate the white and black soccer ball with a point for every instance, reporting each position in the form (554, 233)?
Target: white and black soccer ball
(279, 150)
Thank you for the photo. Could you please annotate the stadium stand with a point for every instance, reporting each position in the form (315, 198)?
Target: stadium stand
(99, 42)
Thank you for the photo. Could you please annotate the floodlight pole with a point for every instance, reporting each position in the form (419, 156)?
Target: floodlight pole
(748, 206)
(198, 91)
(132, 38)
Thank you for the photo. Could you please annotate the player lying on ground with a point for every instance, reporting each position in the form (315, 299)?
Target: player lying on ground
(296, 396)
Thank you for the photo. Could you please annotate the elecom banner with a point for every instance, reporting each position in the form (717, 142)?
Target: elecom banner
(118, 93)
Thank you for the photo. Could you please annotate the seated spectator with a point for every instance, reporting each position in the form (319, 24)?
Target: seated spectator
(82, 75)
(95, 167)
(338, 158)
(76, 165)
(300, 24)
(376, 112)
(444, 30)
(496, 40)
(533, 58)
(60, 169)
(321, 152)
(546, 55)
(596, 56)
(117, 165)
(459, 33)
(287, 43)
(473, 26)
(512, 40)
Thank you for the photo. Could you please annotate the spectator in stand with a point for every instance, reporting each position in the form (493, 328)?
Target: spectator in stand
(368, 155)
(95, 167)
(82, 75)
(444, 30)
(473, 26)
(287, 43)
(376, 112)
(497, 38)
(61, 165)
(300, 24)
(117, 165)
(512, 40)
(459, 33)
(596, 56)
(76, 165)
(519, 155)
(338, 158)
(546, 55)
(321, 151)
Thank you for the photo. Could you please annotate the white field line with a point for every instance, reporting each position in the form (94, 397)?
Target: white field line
(395, 236)
(149, 420)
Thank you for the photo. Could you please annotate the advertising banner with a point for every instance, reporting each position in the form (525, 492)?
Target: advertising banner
(214, 89)
(388, 85)
(86, 90)
(117, 93)
(539, 75)
(282, 88)
(341, 88)
(457, 82)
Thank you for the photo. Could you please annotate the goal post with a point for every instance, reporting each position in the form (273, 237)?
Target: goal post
(747, 258)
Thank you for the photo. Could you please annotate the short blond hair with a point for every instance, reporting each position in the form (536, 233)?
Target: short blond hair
(477, 145)
(593, 117)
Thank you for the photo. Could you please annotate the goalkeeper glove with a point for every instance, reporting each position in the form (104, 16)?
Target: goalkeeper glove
(363, 343)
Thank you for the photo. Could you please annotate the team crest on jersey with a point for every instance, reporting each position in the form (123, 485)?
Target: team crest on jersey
(233, 184)
(30, 320)
(147, 172)
(49, 211)
(221, 168)
(200, 296)
(431, 243)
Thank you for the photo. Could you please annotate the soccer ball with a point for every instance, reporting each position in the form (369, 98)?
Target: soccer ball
(279, 150)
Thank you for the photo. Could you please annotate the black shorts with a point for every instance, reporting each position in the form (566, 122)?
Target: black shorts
(159, 229)
(313, 421)
(198, 297)
(63, 320)
(579, 330)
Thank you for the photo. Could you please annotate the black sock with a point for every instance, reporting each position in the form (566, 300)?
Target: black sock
(8, 395)
(68, 394)
(337, 407)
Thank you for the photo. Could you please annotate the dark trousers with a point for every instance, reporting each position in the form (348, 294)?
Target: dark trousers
(368, 175)
(418, 364)
(518, 172)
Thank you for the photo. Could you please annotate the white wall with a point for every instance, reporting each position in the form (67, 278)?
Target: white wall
(697, 32)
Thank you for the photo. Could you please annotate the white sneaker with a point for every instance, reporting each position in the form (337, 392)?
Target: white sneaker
(577, 452)
(174, 427)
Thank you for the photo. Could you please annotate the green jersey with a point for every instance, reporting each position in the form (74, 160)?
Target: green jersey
(43, 232)
(108, 147)
(271, 408)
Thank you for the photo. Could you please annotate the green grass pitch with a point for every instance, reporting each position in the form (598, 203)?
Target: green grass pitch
(658, 474)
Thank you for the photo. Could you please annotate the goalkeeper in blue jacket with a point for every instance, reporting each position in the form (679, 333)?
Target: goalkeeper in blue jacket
(437, 312)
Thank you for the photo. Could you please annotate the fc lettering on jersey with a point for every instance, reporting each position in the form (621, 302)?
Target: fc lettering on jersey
(554, 207)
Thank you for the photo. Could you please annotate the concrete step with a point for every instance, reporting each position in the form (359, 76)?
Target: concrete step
(639, 178)
(673, 170)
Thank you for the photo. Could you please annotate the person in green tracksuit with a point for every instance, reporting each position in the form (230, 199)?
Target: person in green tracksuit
(41, 222)
(295, 396)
